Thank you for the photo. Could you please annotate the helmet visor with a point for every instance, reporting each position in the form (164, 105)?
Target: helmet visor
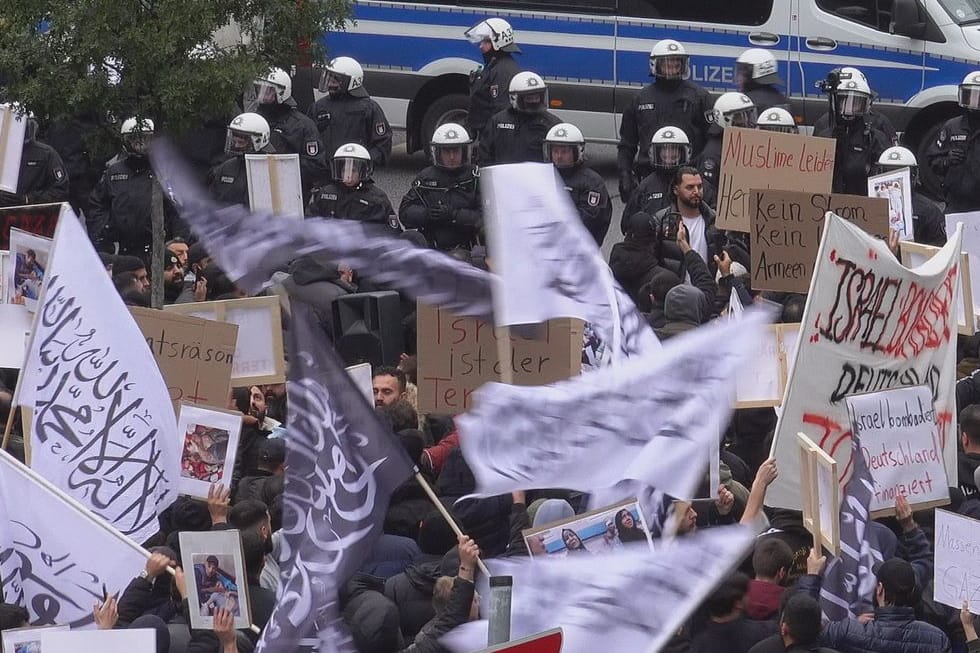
(851, 104)
(450, 157)
(532, 101)
(479, 33)
(266, 92)
(782, 129)
(665, 156)
(350, 172)
(563, 155)
(969, 97)
(137, 142)
(238, 142)
(333, 82)
(742, 118)
(670, 66)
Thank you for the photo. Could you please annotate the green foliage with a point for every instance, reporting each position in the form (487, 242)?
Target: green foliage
(170, 64)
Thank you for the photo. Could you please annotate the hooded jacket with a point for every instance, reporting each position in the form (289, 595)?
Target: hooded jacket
(685, 308)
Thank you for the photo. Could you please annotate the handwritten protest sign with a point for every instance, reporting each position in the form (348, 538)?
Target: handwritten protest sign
(195, 356)
(900, 439)
(258, 355)
(870, 324)
(274, 184)
(915, 254)
(457, 355)
(786, 231)
(957, 570)
(971, 247)
(752, 158)
(821, 494)
(39, 219)
(12, 130)
(762, 382)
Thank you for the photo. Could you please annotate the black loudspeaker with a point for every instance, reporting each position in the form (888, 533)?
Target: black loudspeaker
(367, 328)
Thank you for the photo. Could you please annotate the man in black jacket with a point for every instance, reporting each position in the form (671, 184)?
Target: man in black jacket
(564, 146)
(42, 178)
(955, 156)
(799, 629)
(353, 195)
(490, 83)
(696, 216)
(517, 133)
(669, 150)
(928, 221)
(248, 133)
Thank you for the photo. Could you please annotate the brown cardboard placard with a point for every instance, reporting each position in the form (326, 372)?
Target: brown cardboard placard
(195, 356)
(753, 158)
(38, 219)
(787, 227)
(457, 355)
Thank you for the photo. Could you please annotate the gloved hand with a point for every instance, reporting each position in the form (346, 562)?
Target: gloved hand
(956, 156)
(626, 186)
(440, 212)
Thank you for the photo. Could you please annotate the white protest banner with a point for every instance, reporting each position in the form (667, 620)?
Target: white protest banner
(124, 640)
(957, 570)
(15, 329)
(103, 427)
(13, 128)
(896, 187)
(915, 254)
(274, 184)
(869, 324)
(971, 247)
(900, 440)
(55, 555)
(259, 354)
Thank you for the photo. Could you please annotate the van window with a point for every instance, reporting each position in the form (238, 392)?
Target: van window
(876, 14)
(742, 12)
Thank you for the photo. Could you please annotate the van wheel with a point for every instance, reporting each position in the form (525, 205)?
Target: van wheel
(929, 180)
(449, 108)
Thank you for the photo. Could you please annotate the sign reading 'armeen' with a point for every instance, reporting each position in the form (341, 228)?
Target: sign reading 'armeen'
(787, 227)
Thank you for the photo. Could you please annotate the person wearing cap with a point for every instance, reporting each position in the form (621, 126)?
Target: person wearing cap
(132, 264)
(489, 84)
(265, 482)
(173, 277)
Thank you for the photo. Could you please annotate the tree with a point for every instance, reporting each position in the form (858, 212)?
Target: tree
(178, 62)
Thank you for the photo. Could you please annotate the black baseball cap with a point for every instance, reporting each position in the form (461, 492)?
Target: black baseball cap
(273, 451)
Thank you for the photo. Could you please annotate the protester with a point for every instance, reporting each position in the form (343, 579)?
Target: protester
(389, 385)
(799, 629)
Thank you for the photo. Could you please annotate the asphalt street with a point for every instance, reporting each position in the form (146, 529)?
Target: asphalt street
(396, 178)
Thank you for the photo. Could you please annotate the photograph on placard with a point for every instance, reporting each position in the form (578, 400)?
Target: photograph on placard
(603, 530)
(215, 573)
(28, 262)
(28, 639)
(896, 187)
(210, 441)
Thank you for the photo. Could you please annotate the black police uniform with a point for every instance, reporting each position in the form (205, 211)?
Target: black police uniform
(42, 178)
(293, 132)
(352, 118)
(444, 205)
(228, 181)
(709, 165)
(859, 144)
(514, 136)
(878, 121)
(928, 221)
(766, 96)
(490, 90)
(665, 102)
(591, 199)
(955, 158)
(650, 196)
(364, 203)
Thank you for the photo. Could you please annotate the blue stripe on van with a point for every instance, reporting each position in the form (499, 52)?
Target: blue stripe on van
(577, 23)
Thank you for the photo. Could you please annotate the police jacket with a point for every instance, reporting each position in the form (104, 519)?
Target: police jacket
(650, 196)
(766, 96)
(709, 165)
(878, 121)
(513, 136)
(228, 181)
(365, 203)
(120, 208)
(293, 132)
(352, 118)
(962, 192)
(681, 103)
(859, 144)
(490, 90)
(591, 199)
(928, 221)
(669, 255)
(455, 196)
(42, 177)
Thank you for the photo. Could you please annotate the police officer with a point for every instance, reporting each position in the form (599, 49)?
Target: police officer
(121, 202)
(564, 146)
(928, 221)
(669, 149)
(489, 84)
(878, 121)
(757, 75)
(292, 131)
(859, 142)
(42, 178)
(248, 133)
(517, 133)
(347, 114)
(444, 200)
(777, 119)
(955, 156)
(730, 110)
(670, 100)
(353, 195)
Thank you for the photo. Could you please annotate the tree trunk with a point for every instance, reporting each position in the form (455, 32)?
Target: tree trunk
(159, 238)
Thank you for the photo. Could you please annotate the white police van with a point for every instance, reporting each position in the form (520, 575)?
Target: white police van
(594, 53)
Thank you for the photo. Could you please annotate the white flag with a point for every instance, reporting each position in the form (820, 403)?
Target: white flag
(103, 428)
(54, 556)
(631, 601)
(652, 419)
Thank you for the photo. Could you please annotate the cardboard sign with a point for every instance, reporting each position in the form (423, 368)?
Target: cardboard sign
(259, 355)
(39, 219)
(752, 158)
(900, 439)
(195, 356)
(915, 254)
(763, 382)
(547, 642)
(820, 485)
(971, 247)
(16, 323)
(457, 355)
(274, 184)
(957, 570)
(13, 128)
(787, 227)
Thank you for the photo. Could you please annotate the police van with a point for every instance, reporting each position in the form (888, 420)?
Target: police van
(594, 53)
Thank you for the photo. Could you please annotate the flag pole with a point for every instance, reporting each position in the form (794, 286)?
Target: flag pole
(9, 427)
(445, 513)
